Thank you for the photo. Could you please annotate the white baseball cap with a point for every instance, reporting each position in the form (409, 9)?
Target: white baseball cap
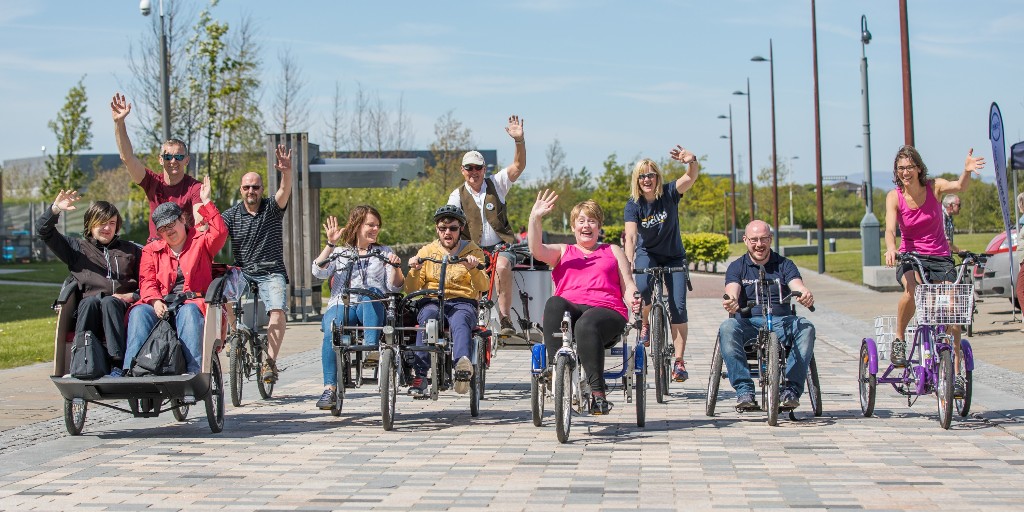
(473, 158)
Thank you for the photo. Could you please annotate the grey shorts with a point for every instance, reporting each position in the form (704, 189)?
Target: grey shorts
(273, 291)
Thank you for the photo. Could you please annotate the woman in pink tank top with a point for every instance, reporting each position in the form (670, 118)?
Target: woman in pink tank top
(915, 207)
(591, 279)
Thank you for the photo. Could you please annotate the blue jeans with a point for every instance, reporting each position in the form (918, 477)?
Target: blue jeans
(794, 332)
(369, 314)
(460, 317)
(188, 322)
(675, 282)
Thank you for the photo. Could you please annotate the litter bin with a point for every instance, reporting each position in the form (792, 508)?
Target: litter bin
(831, 245)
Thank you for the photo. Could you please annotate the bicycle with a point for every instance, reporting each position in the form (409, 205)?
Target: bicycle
(487, 320)
(247, 343)
(658, 327)
(766, 356)
(929, 367)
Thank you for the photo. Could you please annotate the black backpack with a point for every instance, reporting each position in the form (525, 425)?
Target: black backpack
(161, 354)
(88, 357)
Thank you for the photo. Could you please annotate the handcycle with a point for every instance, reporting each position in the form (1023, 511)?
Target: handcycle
(659, 327)
(568, 380)
(247, 343)
(766, 356)
(147, 396)
(930, 367)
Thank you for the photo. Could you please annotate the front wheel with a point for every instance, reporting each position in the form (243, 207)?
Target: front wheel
(656, 333)
(563, 397)
(944, 389)
(266, 388)
(774, 378)
(74, 415)
(640, 384)
(236, 367)
(180, 409)
(215, 400)
(388, 371)
(866, 382)
(537, 391)
(963, 403)
(814, 387)
(342, 374)
(714, 379)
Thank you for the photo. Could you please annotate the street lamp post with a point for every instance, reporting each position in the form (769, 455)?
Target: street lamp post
(795, 157)
(817, 144)
(775, 166)
(869, 224)
(165, 89)
(750, 146)
(732, 177)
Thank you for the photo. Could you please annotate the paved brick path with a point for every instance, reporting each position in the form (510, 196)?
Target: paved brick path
(282, 454)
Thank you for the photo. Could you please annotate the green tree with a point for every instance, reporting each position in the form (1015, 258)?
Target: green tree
(451, 141)
(612, 191)
(72, 128)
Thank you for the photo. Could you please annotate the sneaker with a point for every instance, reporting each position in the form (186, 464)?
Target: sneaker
(898, 356)
(645, 335)
(745, 402)
(507, 329)
(327, 399)
(679, 373)
(418, 388)
(789, 400)
(599, 406)
(116, 373)
(269, 371)
(959, 388)
(463, 373)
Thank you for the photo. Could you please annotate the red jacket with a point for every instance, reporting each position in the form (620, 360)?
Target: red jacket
(158, 270)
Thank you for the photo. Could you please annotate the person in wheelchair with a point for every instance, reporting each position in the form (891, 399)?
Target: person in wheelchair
(793, 331)
(179, 262)
(463, 285)
(591, 280)
(358, 237)
(105, 267)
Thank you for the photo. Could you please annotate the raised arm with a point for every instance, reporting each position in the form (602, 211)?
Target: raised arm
(515, 130)
(971, 165)
(685, 156)
(46, 227)
(119, 110)
(217, 233)
(548, 253)
(284, 165)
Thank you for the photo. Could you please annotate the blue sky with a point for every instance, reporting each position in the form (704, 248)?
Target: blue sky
(633, 78)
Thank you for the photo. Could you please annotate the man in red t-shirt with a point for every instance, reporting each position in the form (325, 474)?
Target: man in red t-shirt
(173, 185)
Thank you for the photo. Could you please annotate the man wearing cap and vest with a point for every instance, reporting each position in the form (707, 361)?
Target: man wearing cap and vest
(483, 201)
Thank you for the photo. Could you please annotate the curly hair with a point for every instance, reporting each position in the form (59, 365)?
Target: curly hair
(356, 218)
(911, 154)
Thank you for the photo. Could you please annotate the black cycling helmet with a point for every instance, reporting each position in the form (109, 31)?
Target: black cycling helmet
(451, 212)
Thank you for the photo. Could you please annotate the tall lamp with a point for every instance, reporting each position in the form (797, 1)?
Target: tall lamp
(732, 176)
(750, 146)
(775, 165)
(165, 90)
(871, 245)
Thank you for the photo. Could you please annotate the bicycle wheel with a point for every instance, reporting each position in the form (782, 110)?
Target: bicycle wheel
(944, 389)
(640, 385)
(341, 359)
(236, 366)
(866, 382)
(215, 399)
(563, 398)
(774, 378)
(963, 403)
(814, 387)
(180, 409)
(714, 379)
(266, 388)
(387, 368)
(656, 331)
(74, 415)
(537, 390)
(481, 366)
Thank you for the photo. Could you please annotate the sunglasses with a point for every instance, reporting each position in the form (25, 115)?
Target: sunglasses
(251, 187)
(442, 229)
(167, 158)
(473, 167)
(648, 176)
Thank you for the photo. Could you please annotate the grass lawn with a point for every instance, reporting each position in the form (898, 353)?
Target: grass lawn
(26, 331)
(50, 272)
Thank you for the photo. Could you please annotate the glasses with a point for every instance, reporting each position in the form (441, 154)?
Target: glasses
(178, 157)
(759, 240)
(648, 176)
(902, 168)
(473, 167)
(169, 228)
(251, 187)
(442, 229)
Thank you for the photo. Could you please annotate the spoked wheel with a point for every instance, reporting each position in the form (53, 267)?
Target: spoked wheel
(481, 365)
(339, 401)
(74, 415)
(180, 409)
(814, 387)
(640, 389)
(714, 379)
(215, 400)
(563, 398)
(656, 330)
(963, 403)
(538, 388)
(774, 379)
(476, 391)
(866, 382)
(944, 388)
(387, 369)
(236, 367)
(266, 388)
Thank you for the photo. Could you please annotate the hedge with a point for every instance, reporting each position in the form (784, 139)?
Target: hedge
(706, 248)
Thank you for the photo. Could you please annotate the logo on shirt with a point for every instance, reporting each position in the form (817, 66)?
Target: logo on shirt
(654, 220)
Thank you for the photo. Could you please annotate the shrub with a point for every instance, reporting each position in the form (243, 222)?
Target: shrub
(612, 234)
(706, 248)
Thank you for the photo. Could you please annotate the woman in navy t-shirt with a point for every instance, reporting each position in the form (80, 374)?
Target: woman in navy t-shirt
(652, 239)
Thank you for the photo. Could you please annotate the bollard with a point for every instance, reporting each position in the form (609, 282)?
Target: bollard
(831, 245)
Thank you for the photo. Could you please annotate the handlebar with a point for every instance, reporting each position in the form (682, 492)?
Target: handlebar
(522, 247)
(655, 271)
(352, 254)
(751, 303)
(914, 259)
(452, 261)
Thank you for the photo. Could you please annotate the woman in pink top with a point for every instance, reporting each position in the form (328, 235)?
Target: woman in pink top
(914, 205)
(591, 279)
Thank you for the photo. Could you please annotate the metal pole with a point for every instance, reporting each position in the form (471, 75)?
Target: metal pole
(871, 246)
(750, 151)
(165, 88)
(775, 166)
(908, 101)
(732, 176)
(817, 145)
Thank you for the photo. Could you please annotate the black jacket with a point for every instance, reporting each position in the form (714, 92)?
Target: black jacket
(107, 269)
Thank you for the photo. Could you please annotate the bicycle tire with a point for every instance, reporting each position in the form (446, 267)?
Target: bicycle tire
(774, 379)
(180, 409)
(656, 331)
(944, 389)
(74, 415)
(866, 382)
(563, 398)
(814, 387)
(640, 391)
(387, 369)
(215, 398)
(340, 375)
(714, 379)
(266, 388)
(236, 367)
(537, 391)
(476, 382)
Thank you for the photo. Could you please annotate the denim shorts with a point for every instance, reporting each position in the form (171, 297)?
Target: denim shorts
(273, 291)
(937, 269)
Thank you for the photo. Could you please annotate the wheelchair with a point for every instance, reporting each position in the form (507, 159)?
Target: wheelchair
(147, 396)
(567, 386)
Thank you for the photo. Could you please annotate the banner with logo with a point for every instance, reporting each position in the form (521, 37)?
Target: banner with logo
(995, 134)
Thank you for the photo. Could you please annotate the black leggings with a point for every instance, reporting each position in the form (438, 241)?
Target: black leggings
(595, 329)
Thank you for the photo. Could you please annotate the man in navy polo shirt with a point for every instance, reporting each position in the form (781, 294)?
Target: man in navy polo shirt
(794, 331)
